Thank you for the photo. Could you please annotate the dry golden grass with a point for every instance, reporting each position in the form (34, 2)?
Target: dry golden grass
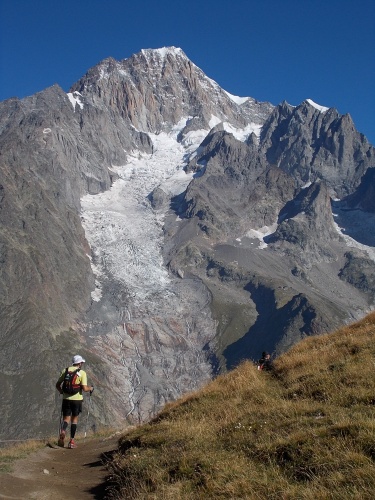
(305, 431)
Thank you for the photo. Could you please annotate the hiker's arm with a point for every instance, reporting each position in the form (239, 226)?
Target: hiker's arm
(87, 388)
(84, 386)
(58, 386)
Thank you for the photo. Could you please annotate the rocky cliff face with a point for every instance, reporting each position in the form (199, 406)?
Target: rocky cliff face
(327, 144)
(363, 197)
(165, 230)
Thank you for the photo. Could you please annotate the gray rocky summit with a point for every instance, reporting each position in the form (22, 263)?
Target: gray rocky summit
(165, 230)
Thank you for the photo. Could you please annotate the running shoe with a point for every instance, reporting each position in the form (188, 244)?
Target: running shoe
(72, 444)
(61, 440)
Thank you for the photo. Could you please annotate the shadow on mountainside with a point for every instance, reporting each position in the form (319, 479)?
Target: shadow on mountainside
(269, 328)
(60, 473)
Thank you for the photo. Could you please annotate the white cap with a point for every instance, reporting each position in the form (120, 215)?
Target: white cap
(77, 359)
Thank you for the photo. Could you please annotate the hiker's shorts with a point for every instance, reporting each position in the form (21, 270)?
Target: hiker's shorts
(71, 407)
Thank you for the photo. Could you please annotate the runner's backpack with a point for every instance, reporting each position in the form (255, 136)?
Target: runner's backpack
(70, 385)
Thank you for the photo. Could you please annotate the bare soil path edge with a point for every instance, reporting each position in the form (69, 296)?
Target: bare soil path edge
(54, 473)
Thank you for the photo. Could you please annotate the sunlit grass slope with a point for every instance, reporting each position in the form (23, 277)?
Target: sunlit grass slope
(307, 431)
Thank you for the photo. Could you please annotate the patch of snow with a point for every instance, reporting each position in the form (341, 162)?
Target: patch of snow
(261, 233)
(75, 98)
(124, 232)
(214, 120)
(322, 109)
(238, 133)
(103, 74)
(192, 138)
(163, 51)
(209, 84)
(243, 134)
(122, 72)
(236, 99)
(195, 137)
(176, 129)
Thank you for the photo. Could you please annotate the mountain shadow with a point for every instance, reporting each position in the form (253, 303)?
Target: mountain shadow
(297, 316)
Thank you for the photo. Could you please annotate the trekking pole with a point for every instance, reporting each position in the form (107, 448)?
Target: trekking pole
(88, 413)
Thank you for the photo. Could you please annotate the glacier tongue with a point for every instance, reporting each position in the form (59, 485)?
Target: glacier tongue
(124, 232)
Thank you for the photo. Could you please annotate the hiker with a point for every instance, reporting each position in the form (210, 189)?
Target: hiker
(265, 362)
(71, 383)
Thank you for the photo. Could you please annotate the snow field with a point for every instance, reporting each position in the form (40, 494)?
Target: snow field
(124, 232)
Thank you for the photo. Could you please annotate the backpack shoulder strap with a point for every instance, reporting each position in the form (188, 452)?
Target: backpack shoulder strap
(74, 371)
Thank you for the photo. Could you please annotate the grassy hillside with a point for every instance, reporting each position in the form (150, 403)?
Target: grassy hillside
(306, 431)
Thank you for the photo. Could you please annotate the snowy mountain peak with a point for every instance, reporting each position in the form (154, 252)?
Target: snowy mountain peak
(157, 59)
(157, 88)
(238, 100)
(163, 52)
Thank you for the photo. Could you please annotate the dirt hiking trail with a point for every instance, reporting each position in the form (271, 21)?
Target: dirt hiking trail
(54, 473)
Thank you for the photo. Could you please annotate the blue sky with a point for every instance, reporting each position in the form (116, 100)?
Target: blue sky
(267, 49)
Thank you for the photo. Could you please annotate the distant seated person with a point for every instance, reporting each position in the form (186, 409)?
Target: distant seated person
(265, 362)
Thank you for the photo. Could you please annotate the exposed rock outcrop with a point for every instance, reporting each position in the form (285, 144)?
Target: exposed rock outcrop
(327, 143)
(364, 196)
